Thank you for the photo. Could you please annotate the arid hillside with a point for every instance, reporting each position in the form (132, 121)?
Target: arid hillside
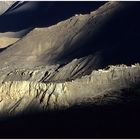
(70, 66)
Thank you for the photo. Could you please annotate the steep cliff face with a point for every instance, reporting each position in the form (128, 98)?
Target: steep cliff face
(20, 96)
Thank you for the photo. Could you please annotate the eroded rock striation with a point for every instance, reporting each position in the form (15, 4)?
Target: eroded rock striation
(63, 65)
(19, 96)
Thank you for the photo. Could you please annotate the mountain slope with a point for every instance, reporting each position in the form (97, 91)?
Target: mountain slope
(18, 97)
(53, 45)
(70, 70)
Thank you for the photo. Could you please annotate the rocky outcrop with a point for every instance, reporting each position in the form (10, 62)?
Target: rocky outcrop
(23, 96)
(54, 73)
(59, 66)
(75, 69)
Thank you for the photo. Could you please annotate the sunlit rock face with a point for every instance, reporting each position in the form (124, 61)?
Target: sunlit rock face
(5, 5)
(19, 96)
(78, 58)
(57, 66)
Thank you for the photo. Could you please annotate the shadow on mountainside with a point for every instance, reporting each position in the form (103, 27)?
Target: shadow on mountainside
(116, 42)
(42, 14)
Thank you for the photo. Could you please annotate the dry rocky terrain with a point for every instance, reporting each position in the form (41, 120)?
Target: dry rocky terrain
(68, 63)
